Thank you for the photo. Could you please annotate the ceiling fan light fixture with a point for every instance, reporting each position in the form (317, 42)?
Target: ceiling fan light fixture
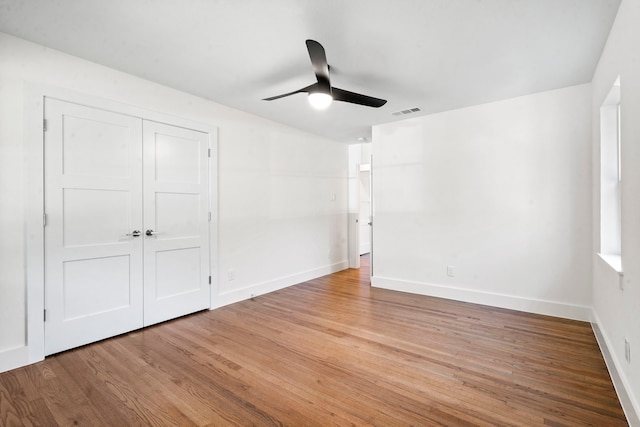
(320, 100)
(322, 93)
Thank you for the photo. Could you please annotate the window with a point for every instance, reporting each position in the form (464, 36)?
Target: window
(611, 179)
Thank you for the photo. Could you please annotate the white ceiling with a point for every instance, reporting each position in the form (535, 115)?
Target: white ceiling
(433, 54)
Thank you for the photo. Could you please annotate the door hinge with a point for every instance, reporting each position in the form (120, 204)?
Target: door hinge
(209, 216)
(209, 152)
(45, 315)
(44, 125)
(209, 279)
(44, 220)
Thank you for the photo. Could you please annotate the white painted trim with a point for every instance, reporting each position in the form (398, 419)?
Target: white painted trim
(213, 207)
(34, 210)
(257, 289)
(629, 403)
(530, 305)
(34, 178)
(613, 261)
(354, 239)
(120, 108)
(13, 358)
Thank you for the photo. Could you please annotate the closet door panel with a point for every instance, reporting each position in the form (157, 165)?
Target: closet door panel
(176, 211)
(93, 203)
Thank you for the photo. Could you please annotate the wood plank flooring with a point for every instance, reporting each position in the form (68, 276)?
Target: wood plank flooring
(331, 351)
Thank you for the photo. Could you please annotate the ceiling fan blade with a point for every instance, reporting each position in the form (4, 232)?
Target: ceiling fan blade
(304, 89)
(356, 98)
(320, 66)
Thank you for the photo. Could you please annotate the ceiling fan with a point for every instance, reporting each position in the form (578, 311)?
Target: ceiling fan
(322, 93)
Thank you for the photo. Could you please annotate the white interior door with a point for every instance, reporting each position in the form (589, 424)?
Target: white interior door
(93, 204)
(176, 218)
(127, 223)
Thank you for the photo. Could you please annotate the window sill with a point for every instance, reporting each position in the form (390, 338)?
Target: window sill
(614, 261)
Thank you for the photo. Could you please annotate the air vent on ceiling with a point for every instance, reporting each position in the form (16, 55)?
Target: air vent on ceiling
(403, 112)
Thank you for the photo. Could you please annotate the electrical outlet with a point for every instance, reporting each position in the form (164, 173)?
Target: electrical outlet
(627, 350)
(231, 275)
(451, 271)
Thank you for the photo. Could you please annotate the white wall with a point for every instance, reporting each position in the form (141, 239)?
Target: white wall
(278, 220)
(617, 312)
(501, 192)
(283, 209)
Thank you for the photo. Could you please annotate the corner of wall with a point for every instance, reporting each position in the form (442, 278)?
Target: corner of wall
(237, 295)
(628, 401)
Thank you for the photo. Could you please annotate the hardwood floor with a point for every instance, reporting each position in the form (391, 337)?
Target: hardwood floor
(331, 351)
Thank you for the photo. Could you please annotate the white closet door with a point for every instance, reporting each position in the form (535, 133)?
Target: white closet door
(93, 204)
(176, 218)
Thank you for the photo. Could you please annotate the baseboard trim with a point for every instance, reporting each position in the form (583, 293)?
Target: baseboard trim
(629, 403)
(257, 289)
(14, 358)
(530, 305)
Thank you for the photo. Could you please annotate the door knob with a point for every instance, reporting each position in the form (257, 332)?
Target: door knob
(134, 233)
(150, 232)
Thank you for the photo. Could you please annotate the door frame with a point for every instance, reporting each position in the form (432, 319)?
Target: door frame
(34, 96)
(371, 224)
(353, 225)
(354, 213)
(365, 167)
